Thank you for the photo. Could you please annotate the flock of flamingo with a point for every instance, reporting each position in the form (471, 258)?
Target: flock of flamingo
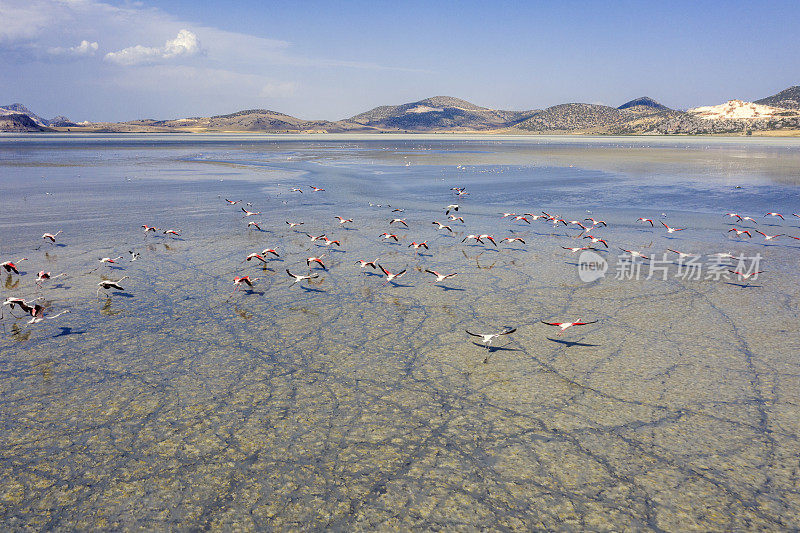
(586, 229)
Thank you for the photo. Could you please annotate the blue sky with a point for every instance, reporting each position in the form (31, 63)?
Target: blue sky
(121, 60)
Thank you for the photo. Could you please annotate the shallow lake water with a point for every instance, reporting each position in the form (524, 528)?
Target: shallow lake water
(348, 403)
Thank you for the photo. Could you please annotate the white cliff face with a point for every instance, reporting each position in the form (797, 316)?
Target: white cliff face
(736, 109)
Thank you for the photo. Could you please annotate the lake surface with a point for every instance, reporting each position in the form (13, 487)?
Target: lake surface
(348, 403)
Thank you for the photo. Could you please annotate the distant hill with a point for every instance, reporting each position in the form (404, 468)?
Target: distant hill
(572, 117)
(18, 122)
(787, 99)
(644, 101)
(43, 122)
(440, 113)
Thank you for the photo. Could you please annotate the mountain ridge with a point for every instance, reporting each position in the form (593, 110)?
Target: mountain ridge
(447, 114)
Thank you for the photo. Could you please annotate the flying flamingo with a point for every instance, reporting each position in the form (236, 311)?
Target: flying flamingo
(453, 218)
(769, 237)
(51, 236)
(110, 284)
(109, 260)
(293, 224)
(509, 240)
(442, 226)
(37, 314)
(343, 220)
(315, 238)
(740, 232)
(468, 237)
(596, 222)
(774, 215)
(255, 255)
(506, 215)
(595, 240)
(362, 263)
(243, 280)
(487, 237)
(328, 242)
(682, 255)
(751, 219)
(672, 230)
(440, 277)
(296, 189)
(250, 213)
(746, 276)
(734, 215)
(269, 251)
(487, 338)
(578, 249)
(416, 245)
(134, 255)
(231, 202)
(317, 260)
(387, 236)
(11, 266)
(640, 219)
(44, 276)
(451, 207)
(299, 278)
(566, 325)
(634, 253)
(175, 232)
(389, 276)
(399, 221)
(521, 218)
(316, 189)
(254, 224)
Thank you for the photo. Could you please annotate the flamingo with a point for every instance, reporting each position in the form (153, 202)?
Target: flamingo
(254, 224)
(746, 276)
(328, 242)
(148, 229)
(595, 240)
(506, 215)
(343, 220)
(566, 325)
(634, 253)
(734, 215)
(362, 263)
(231, 202)
(44, 276)
(243, 280)
(269, 251)
(110, 284)
(296, 189)
(740, 232)
(440, 277)
(672, 230)
(316, 189)
(509, 240)
(682, 255)
(578, 248)
(37, 314)
(51, 236)
(451, 207)
(521, 218)
(416, 245)
(11, 266)
(134, 255)
(487, 237)
(769, 237)
(486, 338)
(389, 276)
(442, 226)
(399, 221)
(315, 238)
(640, 219)
(453, 218)
(250, 213)
(255, 255)
(299, 278)
(293, 224)
(175, 232)
(751, 219)
(110, 260)
(387, 236)
(534, 217)
(468, 237)
(774, 215)
(596, 222)
(317, 260)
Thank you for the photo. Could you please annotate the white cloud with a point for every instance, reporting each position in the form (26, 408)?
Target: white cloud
(185, 44)
(84, 49)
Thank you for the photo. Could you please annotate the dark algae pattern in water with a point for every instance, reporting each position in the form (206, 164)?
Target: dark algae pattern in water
(345, 402)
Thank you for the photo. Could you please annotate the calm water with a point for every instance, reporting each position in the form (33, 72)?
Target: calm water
(346, 403)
